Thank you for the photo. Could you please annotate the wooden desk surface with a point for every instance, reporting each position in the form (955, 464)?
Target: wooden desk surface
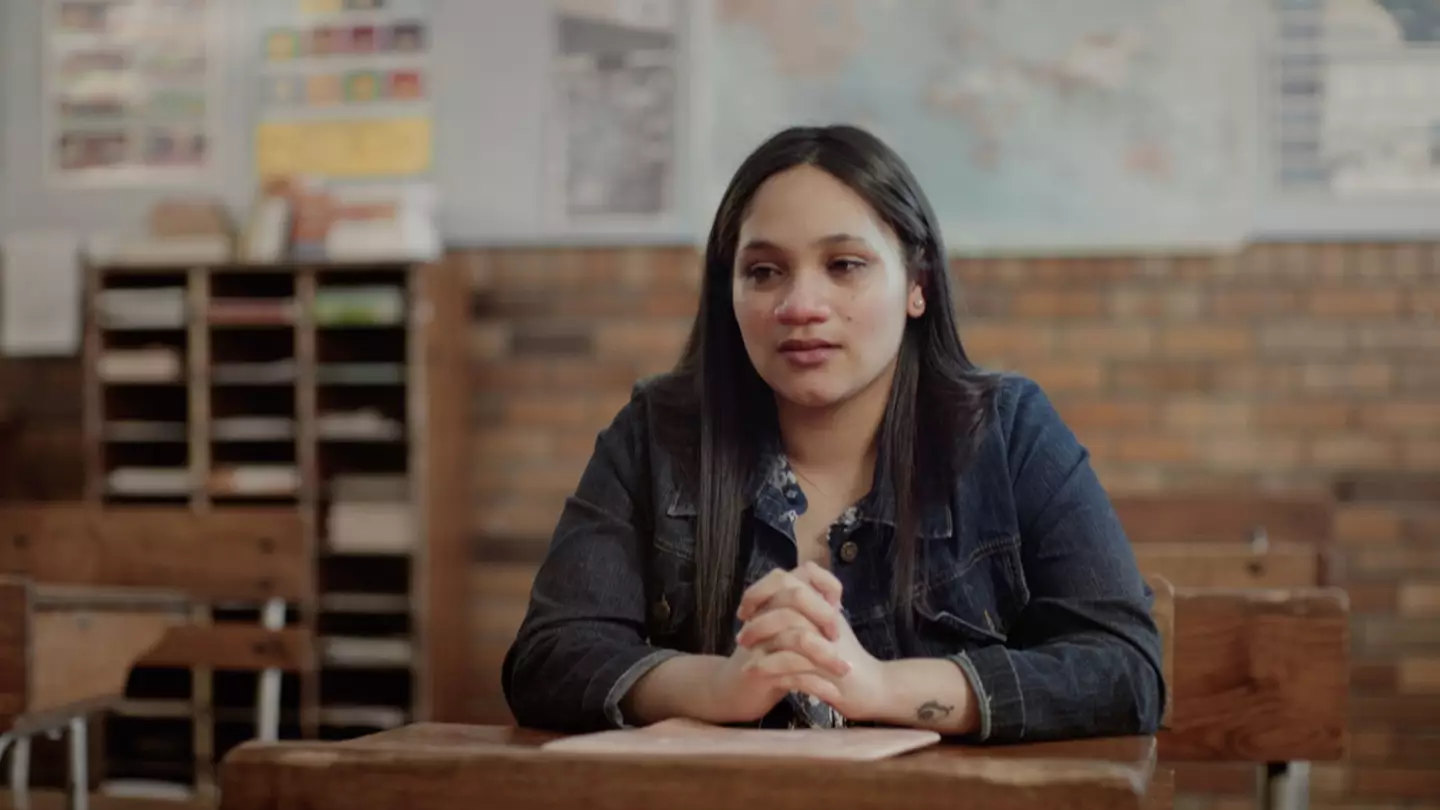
(441, 766)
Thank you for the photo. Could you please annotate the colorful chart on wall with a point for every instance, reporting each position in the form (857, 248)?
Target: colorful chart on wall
(343, 89)
(1034, 127)
(130, 92)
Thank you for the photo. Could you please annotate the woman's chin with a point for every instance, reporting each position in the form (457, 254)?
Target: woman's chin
(809, 394)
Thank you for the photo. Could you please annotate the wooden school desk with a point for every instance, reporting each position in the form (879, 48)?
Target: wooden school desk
(434, 766)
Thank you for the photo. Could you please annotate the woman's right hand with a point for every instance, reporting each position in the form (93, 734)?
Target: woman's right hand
(745, 686)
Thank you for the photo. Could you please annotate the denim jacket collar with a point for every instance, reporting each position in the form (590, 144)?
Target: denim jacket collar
(774, 495)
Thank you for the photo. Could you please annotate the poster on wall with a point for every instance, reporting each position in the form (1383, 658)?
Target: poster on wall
(611, 139)
(1355, 104)
(344, 89)
(130, 89)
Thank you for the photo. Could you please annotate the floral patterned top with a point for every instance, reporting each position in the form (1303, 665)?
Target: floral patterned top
(781, 496)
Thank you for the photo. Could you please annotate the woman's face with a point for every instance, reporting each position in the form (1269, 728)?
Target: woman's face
(821, 291)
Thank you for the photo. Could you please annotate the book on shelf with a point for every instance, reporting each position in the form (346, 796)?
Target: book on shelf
(364, 424)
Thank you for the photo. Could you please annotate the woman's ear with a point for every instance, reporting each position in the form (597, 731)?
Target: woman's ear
(915, 305)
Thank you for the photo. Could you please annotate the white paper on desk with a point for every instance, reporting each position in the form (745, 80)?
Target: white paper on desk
(40, 293)
(679, 737)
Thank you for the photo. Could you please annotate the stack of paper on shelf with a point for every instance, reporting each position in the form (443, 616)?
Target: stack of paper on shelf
(255, 479)
(361, 374)
(383, 221)
(261, 373)
(139, 430)
(384, 717)
(133, 250)
(154, 364)
(180, 232)
(366, 424)
(362, 651)
(252, 311)
(149, 308)
(149, 481)
(370, 514)
(254, 428)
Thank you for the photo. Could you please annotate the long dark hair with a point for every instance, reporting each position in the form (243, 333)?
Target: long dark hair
(937, 392)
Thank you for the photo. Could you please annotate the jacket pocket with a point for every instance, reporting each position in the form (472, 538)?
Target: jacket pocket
(670, 585)
(969, 599)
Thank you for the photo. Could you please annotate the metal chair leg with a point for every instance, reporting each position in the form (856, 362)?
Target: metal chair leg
(1284, 786)
(79, 764)
(267, 703)
(20, 774)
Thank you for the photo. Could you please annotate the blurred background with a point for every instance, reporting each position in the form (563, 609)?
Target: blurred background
(352, 284)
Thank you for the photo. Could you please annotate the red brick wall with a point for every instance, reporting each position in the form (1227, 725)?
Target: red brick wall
(1287, 368)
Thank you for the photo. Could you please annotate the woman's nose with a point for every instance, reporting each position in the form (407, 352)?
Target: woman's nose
(803, 303)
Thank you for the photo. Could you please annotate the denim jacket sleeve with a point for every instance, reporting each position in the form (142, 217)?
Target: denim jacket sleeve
(1084, 656)
(582, 644)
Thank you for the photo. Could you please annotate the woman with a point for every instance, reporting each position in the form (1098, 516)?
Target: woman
(826, 515)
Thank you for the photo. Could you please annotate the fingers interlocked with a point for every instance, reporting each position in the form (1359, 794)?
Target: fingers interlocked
(792, 621)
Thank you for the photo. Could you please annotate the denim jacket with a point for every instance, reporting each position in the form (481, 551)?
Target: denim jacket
(1027, 583)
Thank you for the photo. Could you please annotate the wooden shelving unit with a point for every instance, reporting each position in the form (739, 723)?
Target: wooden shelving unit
(299, 386)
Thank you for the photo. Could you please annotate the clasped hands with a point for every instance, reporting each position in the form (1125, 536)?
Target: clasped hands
(794, 638)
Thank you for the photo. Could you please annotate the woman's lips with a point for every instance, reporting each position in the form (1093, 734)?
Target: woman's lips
(808, 353)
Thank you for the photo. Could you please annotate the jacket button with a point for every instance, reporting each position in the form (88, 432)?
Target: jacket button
(661, 611)
(849, 551)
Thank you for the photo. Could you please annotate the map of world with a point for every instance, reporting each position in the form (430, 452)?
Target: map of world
(1042, 125)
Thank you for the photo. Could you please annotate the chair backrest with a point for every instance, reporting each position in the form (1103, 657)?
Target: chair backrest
(1237, 540)
(1259, 675)
(1225, 517)
(1256, 654)
(63, 661)
(107, 590)
(227, 554)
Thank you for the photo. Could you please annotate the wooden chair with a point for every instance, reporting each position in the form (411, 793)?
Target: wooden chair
(90, 594)
(1260, 646)
(1230, 541)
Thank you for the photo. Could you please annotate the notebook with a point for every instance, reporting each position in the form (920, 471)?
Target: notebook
(695, 739)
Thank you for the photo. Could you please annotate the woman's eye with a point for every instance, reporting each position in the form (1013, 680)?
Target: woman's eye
(846, 265)
(760, 272)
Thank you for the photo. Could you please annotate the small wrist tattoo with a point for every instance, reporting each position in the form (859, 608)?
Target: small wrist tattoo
(932, 710)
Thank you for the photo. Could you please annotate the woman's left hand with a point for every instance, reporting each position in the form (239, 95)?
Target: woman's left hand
(799, 612)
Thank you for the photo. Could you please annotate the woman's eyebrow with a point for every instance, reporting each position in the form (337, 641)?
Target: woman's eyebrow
(832, 239)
